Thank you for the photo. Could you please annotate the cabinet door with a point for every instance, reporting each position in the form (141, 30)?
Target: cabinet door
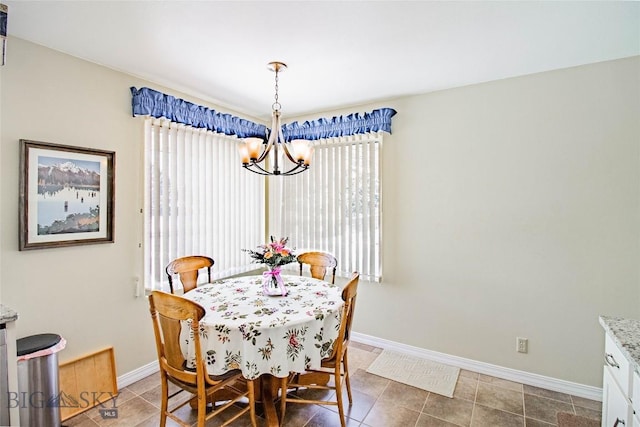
(618, 363)
(616, 408)
(635, 396)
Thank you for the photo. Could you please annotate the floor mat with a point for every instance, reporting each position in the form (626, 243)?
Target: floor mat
(415, 371)
(570, 420)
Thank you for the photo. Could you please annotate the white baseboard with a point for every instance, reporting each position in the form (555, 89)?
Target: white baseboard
(562, 386)
(138, 374)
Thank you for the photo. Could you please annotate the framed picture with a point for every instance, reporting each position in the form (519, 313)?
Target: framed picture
(66, 195)
(3, 32)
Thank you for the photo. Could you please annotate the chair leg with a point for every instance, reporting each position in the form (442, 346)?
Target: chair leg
(283, 397)
(338, 382)
(164, 405)
(345, 364)
(202, 408)
(296, 379)
(252, 402)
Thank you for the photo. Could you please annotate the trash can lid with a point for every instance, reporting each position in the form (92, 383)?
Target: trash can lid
(35, 343)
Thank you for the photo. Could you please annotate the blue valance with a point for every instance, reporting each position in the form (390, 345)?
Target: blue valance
(149, 102)
(377, 120)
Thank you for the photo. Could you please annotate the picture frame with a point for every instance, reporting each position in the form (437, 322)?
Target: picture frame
(4, 10)
(66, 195)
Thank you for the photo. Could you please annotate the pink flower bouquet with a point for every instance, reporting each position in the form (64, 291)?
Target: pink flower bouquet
(273, 255)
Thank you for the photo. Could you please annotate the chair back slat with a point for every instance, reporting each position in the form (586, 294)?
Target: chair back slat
(170, 330)
(189, 280)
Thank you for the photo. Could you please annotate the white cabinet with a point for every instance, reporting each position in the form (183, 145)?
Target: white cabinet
(617, 388)
(616, 407)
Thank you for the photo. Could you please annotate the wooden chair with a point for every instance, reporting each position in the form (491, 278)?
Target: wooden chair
(336, 364)
(319, 263)
(167, 313)
(187, 268)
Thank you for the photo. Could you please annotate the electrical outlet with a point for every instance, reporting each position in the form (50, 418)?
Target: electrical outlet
(522, 345)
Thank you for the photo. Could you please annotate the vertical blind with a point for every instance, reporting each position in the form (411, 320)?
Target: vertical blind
(198, 201)
(336, 205)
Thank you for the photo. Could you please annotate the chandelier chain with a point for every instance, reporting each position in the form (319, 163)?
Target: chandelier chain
(276, 105)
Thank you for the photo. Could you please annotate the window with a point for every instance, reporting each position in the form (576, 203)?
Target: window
(198, 201)
(336, 205)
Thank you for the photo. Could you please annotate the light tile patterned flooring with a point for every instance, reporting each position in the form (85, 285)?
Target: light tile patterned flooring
(478, 401)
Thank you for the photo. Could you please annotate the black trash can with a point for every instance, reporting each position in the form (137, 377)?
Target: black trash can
(38, 382)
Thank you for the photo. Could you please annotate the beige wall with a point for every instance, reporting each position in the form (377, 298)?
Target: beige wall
(511, 209)
(84, 293)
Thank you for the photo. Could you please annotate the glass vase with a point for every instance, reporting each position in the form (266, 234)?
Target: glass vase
(272, 283)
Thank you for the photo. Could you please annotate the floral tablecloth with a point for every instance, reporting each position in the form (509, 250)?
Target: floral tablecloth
(262, 334)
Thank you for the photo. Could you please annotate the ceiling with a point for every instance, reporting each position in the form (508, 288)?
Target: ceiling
(339, 53)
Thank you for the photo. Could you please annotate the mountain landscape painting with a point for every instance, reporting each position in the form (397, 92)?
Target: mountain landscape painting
(68, 196)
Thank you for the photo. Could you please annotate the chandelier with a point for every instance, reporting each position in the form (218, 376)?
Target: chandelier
(294, 156)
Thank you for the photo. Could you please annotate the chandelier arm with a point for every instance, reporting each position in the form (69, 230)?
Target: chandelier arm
(299, 168)
(288, 154)
(265, 151)
(276, 158)
(256, 168)
(284, 145)
(273, 136)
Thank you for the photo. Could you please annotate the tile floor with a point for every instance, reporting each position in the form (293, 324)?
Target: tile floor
(479, 401)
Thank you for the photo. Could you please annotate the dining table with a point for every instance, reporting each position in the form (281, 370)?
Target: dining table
(265, 336)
